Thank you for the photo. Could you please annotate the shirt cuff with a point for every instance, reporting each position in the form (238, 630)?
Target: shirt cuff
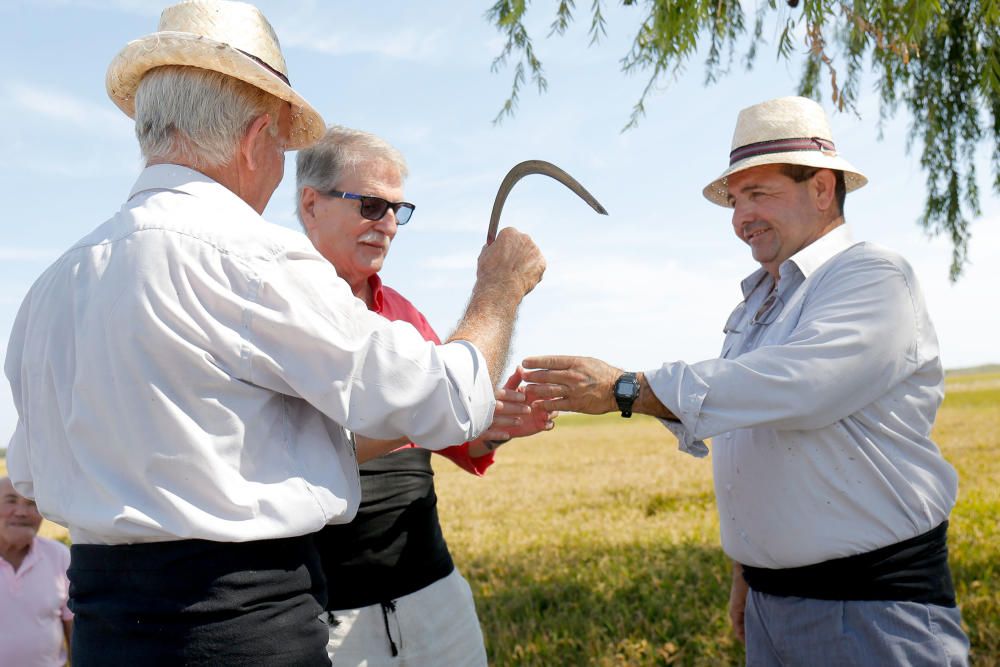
(686, 442)
(683, 392)
(469, 375)
(459, 455)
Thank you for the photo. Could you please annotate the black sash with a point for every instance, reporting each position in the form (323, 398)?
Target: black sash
(394, 546)
(196, 602)
(914, 570)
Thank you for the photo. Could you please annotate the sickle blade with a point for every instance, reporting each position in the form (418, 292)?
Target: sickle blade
(536, 167)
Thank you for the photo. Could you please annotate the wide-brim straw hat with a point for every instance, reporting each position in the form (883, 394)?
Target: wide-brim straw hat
(232, 38)
(786, 130)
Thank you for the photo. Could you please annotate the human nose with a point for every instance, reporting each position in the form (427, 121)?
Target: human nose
(742, 214)
(387, 224)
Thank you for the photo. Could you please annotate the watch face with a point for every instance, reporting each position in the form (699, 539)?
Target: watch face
(626, 388)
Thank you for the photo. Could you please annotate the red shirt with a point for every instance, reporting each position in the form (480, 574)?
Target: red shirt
(392, 305)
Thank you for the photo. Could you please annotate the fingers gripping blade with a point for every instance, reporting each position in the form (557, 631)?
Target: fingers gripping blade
(535, 167)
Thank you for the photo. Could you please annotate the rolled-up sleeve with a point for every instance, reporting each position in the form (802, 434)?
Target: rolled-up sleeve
(310, 337)
(855, 336)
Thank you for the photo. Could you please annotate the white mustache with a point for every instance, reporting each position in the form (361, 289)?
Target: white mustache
(375, 238)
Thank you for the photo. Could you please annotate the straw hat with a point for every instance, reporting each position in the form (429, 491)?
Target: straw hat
(787, 130)
(233, 38)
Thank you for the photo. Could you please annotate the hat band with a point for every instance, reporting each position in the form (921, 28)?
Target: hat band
(781, 146)
(266, 66)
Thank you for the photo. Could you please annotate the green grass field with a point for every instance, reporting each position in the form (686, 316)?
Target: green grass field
(597, 543)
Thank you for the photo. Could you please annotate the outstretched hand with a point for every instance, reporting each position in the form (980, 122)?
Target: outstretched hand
(578, 384)
(515, 416)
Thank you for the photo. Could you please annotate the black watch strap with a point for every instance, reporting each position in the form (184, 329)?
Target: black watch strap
(626, 390)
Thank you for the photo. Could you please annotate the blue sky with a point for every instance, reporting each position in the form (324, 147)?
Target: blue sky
(651, 282)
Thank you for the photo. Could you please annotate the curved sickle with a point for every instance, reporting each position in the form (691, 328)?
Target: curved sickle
(535, 167)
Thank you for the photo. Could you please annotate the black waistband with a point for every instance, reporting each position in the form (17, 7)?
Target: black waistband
(196, 602)
(914, 570)
(394, 546)
(184, 555)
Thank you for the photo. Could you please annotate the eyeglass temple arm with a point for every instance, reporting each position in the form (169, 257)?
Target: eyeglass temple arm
(525, 168)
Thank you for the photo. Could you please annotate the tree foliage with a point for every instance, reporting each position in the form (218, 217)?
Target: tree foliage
(940, 59)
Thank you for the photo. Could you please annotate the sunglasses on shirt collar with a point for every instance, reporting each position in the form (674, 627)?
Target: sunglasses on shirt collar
(375, 208)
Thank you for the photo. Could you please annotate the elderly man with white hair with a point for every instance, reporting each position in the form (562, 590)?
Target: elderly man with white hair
(833, 499)
(188, 378)
(394, 594)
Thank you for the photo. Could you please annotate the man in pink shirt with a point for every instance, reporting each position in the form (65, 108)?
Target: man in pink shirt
(35, 620)
(394, 594)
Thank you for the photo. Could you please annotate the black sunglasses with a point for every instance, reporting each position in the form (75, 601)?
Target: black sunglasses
(374, 208)
(767, 313)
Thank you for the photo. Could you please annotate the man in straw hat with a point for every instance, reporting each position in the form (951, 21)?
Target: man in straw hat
(187, 376)
(833, 500)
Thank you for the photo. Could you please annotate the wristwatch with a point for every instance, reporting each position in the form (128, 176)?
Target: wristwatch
(626, 391)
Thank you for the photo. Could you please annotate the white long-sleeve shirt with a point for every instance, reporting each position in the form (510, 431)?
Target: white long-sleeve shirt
(821, 412)
(190, 371)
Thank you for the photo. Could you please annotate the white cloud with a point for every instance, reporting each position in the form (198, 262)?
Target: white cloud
(307, 31)
(62, 107)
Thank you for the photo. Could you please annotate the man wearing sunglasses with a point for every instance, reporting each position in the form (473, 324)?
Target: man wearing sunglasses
(394, 595)
(833, 500)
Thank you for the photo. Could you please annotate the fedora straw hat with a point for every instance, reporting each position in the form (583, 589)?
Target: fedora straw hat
(786, 130)
(232, 38)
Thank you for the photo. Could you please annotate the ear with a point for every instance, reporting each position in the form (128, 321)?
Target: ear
(307, 209)
(253, 141)
(824, 184)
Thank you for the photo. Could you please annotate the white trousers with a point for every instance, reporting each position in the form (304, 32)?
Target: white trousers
(433, 627)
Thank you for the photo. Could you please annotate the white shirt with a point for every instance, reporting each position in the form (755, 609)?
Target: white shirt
(190, 371)
(821, 413)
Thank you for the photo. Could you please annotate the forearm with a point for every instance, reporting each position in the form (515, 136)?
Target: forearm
(488, 324)
(648, 404)
(481, 447)
(68, 634)
(738, 602)
(369, 448)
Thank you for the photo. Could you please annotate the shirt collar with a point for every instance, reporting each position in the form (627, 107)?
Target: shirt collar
(806, 260)
(375, 284)
(822, 249)
(751, 282)
(184, 179)
(29, 561)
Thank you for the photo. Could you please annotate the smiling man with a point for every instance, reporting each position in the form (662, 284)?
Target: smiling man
(833, 500)
(34, 591)
(394, 594)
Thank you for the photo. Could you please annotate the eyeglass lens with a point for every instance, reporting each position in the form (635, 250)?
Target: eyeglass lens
(373, 208)
(767, 312)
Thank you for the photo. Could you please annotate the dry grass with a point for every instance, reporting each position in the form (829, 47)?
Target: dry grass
(598, 543)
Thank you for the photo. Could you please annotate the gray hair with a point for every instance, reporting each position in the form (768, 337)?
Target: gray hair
(340, 150)
(197, 116)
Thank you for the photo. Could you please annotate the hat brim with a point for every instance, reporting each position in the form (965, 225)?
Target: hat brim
(182, 48)
(717, 191)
